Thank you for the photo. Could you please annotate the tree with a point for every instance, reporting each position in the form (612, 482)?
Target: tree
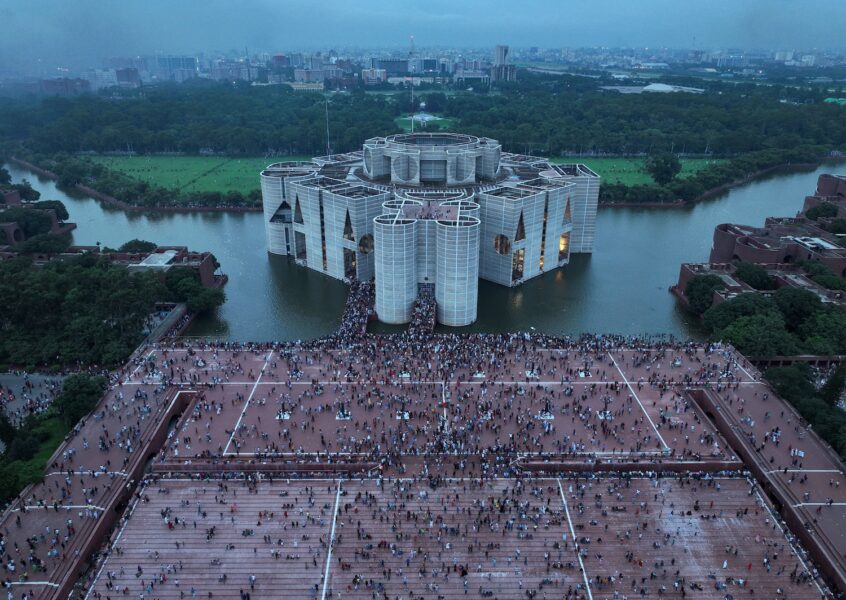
(796, 305)
(56, 205)
(792, 383)
(832, 390)
(28, 194)
(663, 167)
(32, 222)
(760, 335)
(137, 246)
(79, 395)
(754, 275)
(5, 177)
(823, 209)
(725, 313)
(699, 292)
(7, 430)
(44, 243)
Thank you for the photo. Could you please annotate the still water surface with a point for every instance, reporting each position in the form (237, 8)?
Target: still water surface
(620, 288)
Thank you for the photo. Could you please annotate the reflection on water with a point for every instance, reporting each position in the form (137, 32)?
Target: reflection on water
(620, 288)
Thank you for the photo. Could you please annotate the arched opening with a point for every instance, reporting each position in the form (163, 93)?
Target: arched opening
(365, 244)
(787, 259)
(502, 245)
(568, 212)
(18, 235)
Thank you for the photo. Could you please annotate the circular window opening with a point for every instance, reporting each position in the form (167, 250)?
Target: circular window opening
(365, 244)
(502, 245)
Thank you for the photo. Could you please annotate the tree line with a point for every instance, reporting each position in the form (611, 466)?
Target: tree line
(775, 322)
(85, 310)
(756, 127)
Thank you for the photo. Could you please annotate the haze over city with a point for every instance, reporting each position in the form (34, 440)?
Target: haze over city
(54, 33)
(426, 300)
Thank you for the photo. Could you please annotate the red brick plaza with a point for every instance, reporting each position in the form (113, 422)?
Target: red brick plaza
(435, 467)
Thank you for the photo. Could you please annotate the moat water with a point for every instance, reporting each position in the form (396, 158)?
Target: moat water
(621, 288)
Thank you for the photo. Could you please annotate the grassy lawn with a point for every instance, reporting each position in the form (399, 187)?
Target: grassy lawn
(631, 171)
(444, 124)
(194, 173)
(222, 174)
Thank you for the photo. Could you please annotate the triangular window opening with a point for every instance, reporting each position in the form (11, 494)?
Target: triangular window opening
(348, 230)
(521, 229)
(298, 213)
(284, 205)
(568, 213)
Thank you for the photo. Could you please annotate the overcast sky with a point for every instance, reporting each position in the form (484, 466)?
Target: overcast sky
(79, 33)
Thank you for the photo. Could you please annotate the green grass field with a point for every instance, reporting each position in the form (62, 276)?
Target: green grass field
(221, 174)
(194, 173)
(631, 171)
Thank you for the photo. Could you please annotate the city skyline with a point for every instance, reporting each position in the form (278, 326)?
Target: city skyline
(153, 27)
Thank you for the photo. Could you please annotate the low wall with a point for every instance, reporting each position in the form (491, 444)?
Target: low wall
(824, 554)
(111, 513)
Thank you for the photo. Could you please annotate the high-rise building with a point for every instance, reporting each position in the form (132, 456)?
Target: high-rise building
(501, 57)
(437, 209)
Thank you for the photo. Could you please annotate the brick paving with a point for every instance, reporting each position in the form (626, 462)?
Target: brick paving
(488, 467)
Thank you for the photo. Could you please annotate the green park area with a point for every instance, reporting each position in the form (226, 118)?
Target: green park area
(632, 171)
(194, 173)
(222, 174)
(438, 124)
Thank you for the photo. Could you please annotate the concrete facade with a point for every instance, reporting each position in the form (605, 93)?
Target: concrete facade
(430, 208)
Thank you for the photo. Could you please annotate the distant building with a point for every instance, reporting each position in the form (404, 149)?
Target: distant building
(462, 76)
(172, 68)
(233, 70)
(501, 55)
(779, 246)
(306, 87)
(320, 75)
(128, 77)
(102, 78)
(504, 73)
(63, 86)
(435, 209)
(392, 66)
(374, 76)
(658, 88)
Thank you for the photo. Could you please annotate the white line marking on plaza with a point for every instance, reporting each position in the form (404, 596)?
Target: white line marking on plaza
(697, 384)
(784, 535)
(643, 408)
(61, 506)
(740, 366)
(331, 542)
(805, 471)
(50, 583)
(113, 544)
(146, 360)
(575, 543)
(88, 473)
(247, 403)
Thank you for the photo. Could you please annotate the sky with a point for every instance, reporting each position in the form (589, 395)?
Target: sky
(81, 33)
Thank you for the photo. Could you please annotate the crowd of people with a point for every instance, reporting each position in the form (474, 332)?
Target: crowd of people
(424, 314)
(427, 408)
(22, 394)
